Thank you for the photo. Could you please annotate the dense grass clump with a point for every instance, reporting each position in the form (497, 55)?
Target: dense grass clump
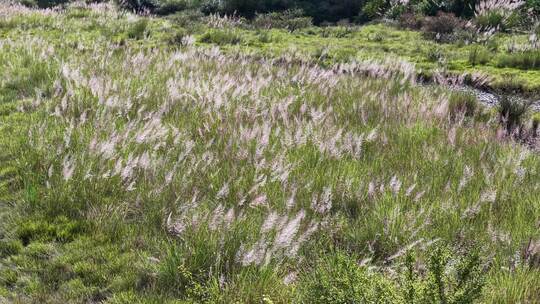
(525, 60)
(479, 56)
(221, 37)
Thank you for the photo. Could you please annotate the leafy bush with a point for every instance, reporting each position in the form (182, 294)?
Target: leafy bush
(221, 37)
(448, 279)
(479, 55)
(525, 60)
(533, 6)
(375, 8)
(289, 19)
(339, 279)
(428, 7)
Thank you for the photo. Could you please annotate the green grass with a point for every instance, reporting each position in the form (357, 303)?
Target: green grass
(134, 171)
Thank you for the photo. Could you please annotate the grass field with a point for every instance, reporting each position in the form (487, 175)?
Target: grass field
(219, 169)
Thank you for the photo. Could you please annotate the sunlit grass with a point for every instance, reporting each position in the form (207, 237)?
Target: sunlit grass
(135, 170)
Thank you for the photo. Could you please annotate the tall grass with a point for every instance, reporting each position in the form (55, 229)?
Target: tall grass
(525, 60)
(157, 174)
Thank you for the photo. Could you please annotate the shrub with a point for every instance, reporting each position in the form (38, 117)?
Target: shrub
(533, 6)
(462, 103)
(442, 26)
(479, 55)
(410, 20)
(375, 8)
(289, 19)
(525, 60)
(448, 279)
(221, 37)
(339, 279)
(428, 7)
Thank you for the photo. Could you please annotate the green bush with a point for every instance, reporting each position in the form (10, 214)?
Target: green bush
(533, 5)
(339, 279)
(375, 8)
(448, 279)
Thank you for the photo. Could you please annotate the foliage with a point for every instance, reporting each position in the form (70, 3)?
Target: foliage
(375, 8)
(338, 279)
(450, 278)
(289, 19)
